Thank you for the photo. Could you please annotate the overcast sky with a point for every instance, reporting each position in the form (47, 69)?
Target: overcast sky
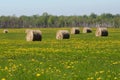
(58, 7)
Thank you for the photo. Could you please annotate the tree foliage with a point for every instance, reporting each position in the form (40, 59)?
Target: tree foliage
(47, 20)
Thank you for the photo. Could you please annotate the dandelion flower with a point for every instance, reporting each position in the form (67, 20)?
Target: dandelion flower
(33, 60)
(3, 79)
(99, 78)
(6, 68)
(101, 72)
(38, 74)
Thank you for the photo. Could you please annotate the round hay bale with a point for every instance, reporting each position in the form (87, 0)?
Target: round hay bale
(63, 34)
(34, 35)
(5, 31)
(87, 30)
(75, 30)
(101, 31)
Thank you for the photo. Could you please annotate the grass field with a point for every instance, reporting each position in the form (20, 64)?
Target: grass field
(82, 57)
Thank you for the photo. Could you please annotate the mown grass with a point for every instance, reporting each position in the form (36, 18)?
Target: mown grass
(82, 57)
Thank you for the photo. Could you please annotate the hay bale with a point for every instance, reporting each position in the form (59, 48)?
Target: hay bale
(34, 35)
(87, 30)
(101, 31)
(5, 31)
(75, 30)
(63, 34)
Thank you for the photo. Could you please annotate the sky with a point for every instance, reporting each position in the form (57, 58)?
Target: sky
(58, 7)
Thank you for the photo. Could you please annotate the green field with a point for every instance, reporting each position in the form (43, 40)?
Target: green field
(82, 57)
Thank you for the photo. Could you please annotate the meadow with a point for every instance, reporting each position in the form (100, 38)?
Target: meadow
(82, 57)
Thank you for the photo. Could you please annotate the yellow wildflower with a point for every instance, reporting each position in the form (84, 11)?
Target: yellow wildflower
(99, 78)
(33, 60)
(3, 79)
(101, 71)
(38, 74)
(6, 68)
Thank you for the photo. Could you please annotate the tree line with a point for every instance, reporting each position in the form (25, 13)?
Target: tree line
(46, 20)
